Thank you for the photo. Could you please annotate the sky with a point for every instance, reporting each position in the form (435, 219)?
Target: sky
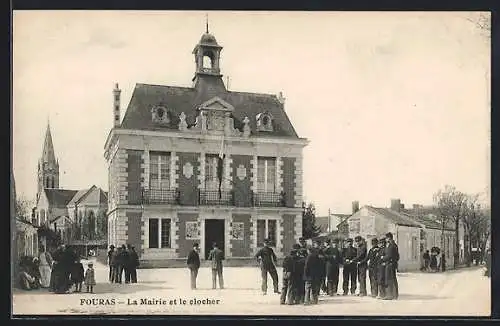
(394, 104)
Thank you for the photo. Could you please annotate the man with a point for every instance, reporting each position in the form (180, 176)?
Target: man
(350, 269)
(380, 267)
(119, 261)
(427, 258)
(115, 265)
(333, 261)
(267, 261)
(362, 265)
(126, 262)
(133, 263)
(110, 258)
(216, 256)
(322, 247)
(312, 276)
(391, 258)
(299, 275)
(372, 259)
(288, 290)
(193, 262)
(302, 243)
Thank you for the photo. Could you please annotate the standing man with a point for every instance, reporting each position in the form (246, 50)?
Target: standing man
(302, 243)
(288, 290)
(126, 262)
(216, 256)
(299, 276)
(267, 261)
(372, 259)
(391, 258)
(350, 270)
(321, 254)
(193, 262)
(361, 260)
(333, 261)
(134, 263)
(110, 258)
(312, 276)
(381, 277)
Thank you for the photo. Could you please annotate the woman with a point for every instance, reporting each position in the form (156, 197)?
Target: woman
(45, 267)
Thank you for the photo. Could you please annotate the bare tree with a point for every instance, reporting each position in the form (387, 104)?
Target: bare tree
(23, 207)
(450, 203)
(469, 216)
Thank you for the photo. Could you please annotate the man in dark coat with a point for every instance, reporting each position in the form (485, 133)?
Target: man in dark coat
(302, 243)
(110, 256)
(115, 265)
(381, 277)
(349, 272)
(333, 260)
(126, 262)
(216, 256)
(120, 262)
(267, 260)
(322, 247)
(193, 262)
(299, 275)
(288, 289)
(391, 258)
(362, 264)
(133, 260)
(372, 259)
(312, 276)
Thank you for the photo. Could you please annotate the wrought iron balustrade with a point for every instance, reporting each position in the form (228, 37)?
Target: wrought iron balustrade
(268, 199)
(214, 197)
(160, 196)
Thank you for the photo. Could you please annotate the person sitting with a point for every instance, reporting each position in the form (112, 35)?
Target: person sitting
(27, 281)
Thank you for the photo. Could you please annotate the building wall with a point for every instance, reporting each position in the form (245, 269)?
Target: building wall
(288, 233)
(242, 248)
(188, 187)
(291, 182)
(185, 245)
(134, 176)
(242, 181)
(408, 241)
(135, 231)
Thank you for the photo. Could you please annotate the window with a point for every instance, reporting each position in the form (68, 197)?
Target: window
(266, 174)
(159, 233)
(267, 229)
(211, 178)
(159, 170)
(207, 62)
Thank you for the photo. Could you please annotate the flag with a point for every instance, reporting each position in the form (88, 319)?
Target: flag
(221, 152)
(220, 162)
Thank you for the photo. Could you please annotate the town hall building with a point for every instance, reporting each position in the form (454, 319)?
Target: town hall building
(205, 165)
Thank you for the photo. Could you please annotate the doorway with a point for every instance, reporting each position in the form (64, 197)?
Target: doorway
(214, 232)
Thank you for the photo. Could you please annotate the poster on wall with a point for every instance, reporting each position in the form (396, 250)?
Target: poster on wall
(237, 229)
(192, 230)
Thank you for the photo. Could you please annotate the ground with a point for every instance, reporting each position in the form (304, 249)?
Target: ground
(464, 292)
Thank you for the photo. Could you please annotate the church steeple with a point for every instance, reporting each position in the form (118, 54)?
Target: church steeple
(48, 165)
(207, 55)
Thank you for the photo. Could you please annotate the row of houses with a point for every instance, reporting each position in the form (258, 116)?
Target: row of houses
(415, 230)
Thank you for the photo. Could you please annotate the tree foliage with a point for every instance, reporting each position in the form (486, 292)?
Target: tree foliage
(309, 228)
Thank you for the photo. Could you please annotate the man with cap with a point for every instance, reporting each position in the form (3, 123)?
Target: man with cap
(110, 257)
(267, 261)
(299, 275)
(391, 258)
(321, 254)
(312, 275)
(288, 289)
(381, 277)
(350, 269)
(362, 264)
(216, 256)
(193, 262)
(372, 259)
(333, 261)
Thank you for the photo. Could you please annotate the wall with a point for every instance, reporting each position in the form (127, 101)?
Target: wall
(241, 248)
(135, 230)
(188, 187)
(134, 172)
(291, 181)
(185, 245)
(288, 233)
(409, 255)
(242, 186)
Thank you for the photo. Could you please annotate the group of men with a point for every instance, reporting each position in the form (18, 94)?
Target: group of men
(308, 270)
(123, 260)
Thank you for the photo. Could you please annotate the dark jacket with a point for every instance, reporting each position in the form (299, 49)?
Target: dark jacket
(361, 255)
(333, 256)
(288, 267)
(348, 253)
(391, 253)
(372, 257)
(114, 258)
(300, 263)
(266, 254)
(77, 273)
(216, 256)
(110, 256)
(193, 260)
(313, 267)
(133, 259)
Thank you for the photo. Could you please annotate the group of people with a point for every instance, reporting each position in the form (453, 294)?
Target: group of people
(58, 272)
(308, 270)
(433, 261)
(123, 260)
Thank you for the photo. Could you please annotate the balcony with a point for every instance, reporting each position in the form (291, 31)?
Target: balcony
(160, 196)
(214, 197)
(268, 199)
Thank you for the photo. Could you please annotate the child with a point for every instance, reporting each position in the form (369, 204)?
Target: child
(77, 275)
(90, 278)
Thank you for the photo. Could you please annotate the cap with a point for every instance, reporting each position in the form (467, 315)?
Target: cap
(112, 247)
(388, 235)
(358, 238)
(348, 240)
(374, 240)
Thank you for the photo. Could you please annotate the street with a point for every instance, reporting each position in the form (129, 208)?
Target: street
(464, 292)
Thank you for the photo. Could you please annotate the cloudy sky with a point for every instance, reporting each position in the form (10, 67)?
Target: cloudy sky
(395, 105)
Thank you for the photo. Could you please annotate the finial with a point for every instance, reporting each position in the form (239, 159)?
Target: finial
(206, 16)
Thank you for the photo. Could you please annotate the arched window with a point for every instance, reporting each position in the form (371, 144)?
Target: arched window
(51, 182)
(47, 182)
(207, 61)
(42, 216)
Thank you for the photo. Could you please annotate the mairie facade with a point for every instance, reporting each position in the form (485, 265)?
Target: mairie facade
(203, 164)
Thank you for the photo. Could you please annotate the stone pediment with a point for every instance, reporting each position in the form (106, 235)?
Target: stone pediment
(217, 104)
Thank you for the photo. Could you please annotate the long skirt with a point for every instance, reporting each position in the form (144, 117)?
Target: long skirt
(45, 274)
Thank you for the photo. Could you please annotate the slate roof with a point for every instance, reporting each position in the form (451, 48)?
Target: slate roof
(59, 197)
(394, 217)
(103, 197)
(79, 195)
(186, 99)
(322, 223)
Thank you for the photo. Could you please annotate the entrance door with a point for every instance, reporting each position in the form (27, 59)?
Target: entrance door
(214, 232)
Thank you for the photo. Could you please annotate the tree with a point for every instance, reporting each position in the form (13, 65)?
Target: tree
(102, 225)
(23, 207)
(469, 216)
(450, 203)
(309, 228)
(481, 229)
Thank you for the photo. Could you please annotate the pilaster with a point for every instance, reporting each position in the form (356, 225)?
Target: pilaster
(201, 174)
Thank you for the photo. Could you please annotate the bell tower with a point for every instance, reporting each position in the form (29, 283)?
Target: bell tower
(48, 165)
(207, 55)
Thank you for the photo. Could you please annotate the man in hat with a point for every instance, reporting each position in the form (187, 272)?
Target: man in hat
(299, 275)
(391, 258)
(312, 276)
(193, 262)
(110, 257)
(321, 254)
(372, 259)
(333, 261)
(350, 268)
(288, 289)
(381, 277)
(267, 261)
(302, 243)
(362, 264)
(134, 263)
(216, 256)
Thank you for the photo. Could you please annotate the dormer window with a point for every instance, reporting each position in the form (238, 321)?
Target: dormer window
(160, 115)
(264, 122)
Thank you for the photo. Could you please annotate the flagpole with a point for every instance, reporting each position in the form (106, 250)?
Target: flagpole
(220, 167)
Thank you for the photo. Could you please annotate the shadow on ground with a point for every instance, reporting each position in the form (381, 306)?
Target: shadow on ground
(407, 297)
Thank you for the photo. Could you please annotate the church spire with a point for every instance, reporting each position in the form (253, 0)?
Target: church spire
(48, 155)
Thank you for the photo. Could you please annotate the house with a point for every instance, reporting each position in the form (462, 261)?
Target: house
(373, 222)
(203, 164)
(69, 213)
(330, 223)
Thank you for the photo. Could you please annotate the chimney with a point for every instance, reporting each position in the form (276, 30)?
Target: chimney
(396, 204)
(355, 206)
(116, 106)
